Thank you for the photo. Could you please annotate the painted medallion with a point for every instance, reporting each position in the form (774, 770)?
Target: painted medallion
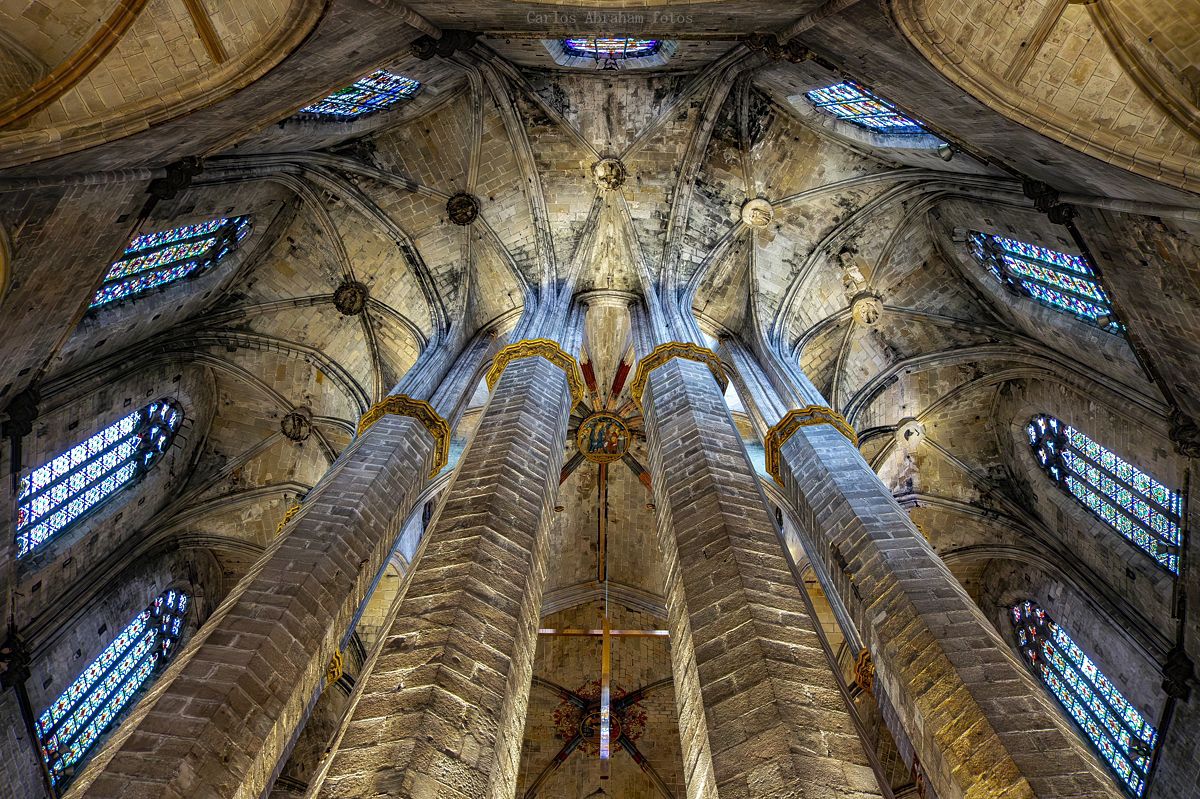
(602, 438)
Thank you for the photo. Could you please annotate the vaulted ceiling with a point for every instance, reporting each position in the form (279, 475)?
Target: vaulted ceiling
(854, 215)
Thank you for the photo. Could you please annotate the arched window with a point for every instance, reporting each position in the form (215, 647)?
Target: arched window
(158, 258)
(375, 92)
(1064, 282)
(89, 706)
(1139, 507)
(610, 49)
(1124, 738)
(59, 492)
(855, 104)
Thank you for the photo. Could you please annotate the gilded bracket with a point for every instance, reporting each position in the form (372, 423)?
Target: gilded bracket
(541, 348)
(665, 352)
(423, 412)
(287, 517)
(792, 421)
(335, 669)
(864, 672)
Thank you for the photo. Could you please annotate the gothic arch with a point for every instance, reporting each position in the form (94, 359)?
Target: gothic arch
(992, 82)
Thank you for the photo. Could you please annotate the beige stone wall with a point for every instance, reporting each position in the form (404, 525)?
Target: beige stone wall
(1075, 91)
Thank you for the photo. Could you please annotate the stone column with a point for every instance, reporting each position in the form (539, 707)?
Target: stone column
(217, 723)
(760, 712)
(442, 711)
(979, 723)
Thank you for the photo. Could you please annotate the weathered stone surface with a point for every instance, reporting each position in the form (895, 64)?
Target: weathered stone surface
(771, 721)
(442, 712)
(218, 721)
(978, 721)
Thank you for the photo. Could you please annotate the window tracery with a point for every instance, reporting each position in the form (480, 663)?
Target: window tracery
(856, 105)
(1064, 282)
(1124, 738)
(81, 714)
(610, 49)
(1136, 505)
(377, 91)
(57, 493)
(158, 258)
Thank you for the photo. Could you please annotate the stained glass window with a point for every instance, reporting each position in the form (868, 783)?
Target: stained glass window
(1139, 507)
(57, 493)
(609, 49)
(70, 726)
(158, 258)
(855, 104)
(1064, 282)
(1124, 738)
(375, 92)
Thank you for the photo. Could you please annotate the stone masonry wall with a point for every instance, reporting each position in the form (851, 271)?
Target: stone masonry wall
(222, 715)
(769, 715)
(442, 711)
(980, 724)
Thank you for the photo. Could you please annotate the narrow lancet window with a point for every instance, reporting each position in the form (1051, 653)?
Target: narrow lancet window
(90, 705)
(1135, 504)
(1124, 738)
(855, 104)
(158, 258)
(1064, 282)
(79, 480)
(377, 91)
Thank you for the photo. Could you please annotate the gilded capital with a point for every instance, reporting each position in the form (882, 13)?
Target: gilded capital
(792, 421)
(665, 352)
(423, 412)
(540, 348)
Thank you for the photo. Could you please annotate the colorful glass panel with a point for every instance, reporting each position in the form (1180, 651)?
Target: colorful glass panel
(855, 104)
(1062, 281)
(607, 49)
(1124, 738)
(375, 92)
(157, 258)
(57, 493)
(77, 719)
(1132, 502)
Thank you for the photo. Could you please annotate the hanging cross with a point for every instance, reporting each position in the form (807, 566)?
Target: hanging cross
(606, 634)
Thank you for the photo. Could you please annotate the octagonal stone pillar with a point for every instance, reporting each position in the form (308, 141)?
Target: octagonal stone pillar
(442, 711)
(760, 713)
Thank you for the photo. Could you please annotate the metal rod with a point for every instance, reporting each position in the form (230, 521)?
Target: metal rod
(625, 633)
(605, 700)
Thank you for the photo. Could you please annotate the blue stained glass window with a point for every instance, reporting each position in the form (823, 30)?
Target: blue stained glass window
(74, 722)
(1124, 738)
(375, 92)
(57, 493)
(855, 104)
(1064, 282)
(609, 49)
(1139, 507)
(158, 258)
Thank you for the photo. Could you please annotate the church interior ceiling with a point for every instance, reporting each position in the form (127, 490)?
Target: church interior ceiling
(356, 262)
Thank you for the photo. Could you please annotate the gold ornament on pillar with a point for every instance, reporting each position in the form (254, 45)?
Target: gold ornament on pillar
(539, 348)
(792, 421)
(287, 517)
(334, 671)
(665, 352)
(423, 412)
(864, 671)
